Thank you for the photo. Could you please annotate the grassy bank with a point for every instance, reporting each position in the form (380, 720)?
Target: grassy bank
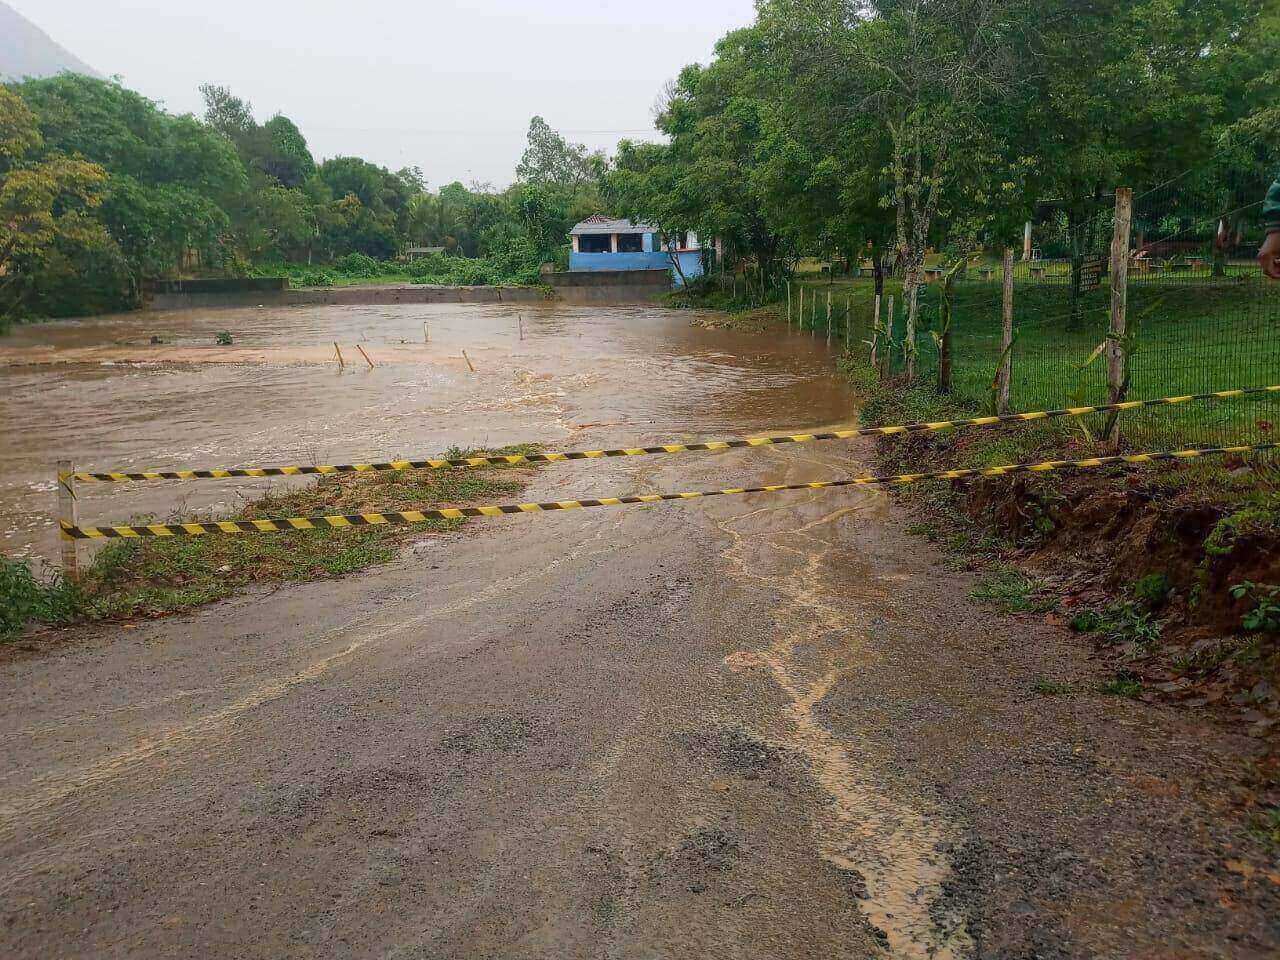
(146, 578)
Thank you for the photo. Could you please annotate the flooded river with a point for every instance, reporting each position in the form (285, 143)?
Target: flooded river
(101, 393)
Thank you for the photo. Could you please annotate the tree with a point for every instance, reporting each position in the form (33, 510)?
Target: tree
(227, 113)
(288, 160)
(43, 204)
(551, 161)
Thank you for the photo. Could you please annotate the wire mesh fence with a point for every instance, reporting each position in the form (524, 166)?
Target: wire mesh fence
(1200, 317)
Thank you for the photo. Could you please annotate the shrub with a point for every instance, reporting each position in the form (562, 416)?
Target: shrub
(23, 598)
(358, 265)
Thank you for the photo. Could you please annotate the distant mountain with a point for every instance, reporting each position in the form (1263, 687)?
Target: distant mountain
(27, 51)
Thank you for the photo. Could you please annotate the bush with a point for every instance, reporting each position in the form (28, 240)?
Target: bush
(358, 265)
(23, 599)
(312, 278)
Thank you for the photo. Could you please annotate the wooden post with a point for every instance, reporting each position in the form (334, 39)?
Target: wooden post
(788, 304)
(800, 311)
(68, 512)
(1004, 376)
(909, 341)
(1026, 241)
(1117, 343)
(365, 355)
(426, 332)
(828, 318)
(875, 335)
(848, 321)
(521, 316)
(886, 360)
(341, 363)
(470, 365)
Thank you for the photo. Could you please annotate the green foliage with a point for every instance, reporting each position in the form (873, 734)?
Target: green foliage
(1152, 590)
(24, 599)
(1051, 688)
(1266, 827)
(1123, 686)
(1264, 617)
(101, 190)
(1012, 591)
(224, 338)
(1120, 623)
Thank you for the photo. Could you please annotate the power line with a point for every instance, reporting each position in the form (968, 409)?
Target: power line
(470, 133)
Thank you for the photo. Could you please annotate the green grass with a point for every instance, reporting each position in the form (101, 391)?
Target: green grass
(1121, 686)
(1190, 338)
(1120, 623)
(1266, 827)
(151, 577)
(1052, 688)
(1012, 592)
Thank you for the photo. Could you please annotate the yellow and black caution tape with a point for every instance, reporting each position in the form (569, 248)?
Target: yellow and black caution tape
(71, 532)
(218, 474)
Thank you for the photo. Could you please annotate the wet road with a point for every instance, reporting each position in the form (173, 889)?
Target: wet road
(762, 727)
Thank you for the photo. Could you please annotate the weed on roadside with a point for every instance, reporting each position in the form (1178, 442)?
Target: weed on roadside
(1012, 591)
(25, 597)
(1121, 624)
(1266, 827)
(1052, 688)
(1122, 686)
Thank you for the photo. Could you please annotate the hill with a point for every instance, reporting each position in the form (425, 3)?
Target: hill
(27, 51)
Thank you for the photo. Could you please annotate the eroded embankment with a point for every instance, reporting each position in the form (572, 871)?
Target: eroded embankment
(1171, 572)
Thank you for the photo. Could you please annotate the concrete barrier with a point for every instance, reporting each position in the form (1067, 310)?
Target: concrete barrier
(609, 286)
(347, 296)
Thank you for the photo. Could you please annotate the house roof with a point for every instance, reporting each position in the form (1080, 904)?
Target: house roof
(602, 224)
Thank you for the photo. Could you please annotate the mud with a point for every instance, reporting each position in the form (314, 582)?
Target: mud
(763, 727)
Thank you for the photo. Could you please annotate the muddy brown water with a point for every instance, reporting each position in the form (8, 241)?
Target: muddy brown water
(100, 393)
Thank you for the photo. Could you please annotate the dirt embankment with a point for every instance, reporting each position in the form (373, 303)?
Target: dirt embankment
(1171, 574)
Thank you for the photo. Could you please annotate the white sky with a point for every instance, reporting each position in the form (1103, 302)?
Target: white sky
(447, 85)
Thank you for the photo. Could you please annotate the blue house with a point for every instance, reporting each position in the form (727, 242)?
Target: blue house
(601, 243)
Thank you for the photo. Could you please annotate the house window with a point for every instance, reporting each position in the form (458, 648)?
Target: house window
(631, 243)
(594, 243)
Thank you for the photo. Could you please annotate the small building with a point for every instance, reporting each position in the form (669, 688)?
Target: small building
(603, 243)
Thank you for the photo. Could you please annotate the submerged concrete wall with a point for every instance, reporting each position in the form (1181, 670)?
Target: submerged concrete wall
(353, 296)
(609, 286)
(604, 286)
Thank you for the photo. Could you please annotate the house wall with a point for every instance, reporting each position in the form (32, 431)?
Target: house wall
(690, 261)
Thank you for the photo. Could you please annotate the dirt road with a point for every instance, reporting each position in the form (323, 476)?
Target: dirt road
(762, 727)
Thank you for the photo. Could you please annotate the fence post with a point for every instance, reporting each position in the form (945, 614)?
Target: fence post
(828, 318)
(1117, 342)
(886, 359)
(1004, 376)
(875, 335)
(848, 321)
(788, 304)
(68, 512)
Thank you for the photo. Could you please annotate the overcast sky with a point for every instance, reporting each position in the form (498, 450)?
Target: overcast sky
(447, 85)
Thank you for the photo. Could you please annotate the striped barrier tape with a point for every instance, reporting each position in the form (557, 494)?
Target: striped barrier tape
(72, 532)
(219, 474)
